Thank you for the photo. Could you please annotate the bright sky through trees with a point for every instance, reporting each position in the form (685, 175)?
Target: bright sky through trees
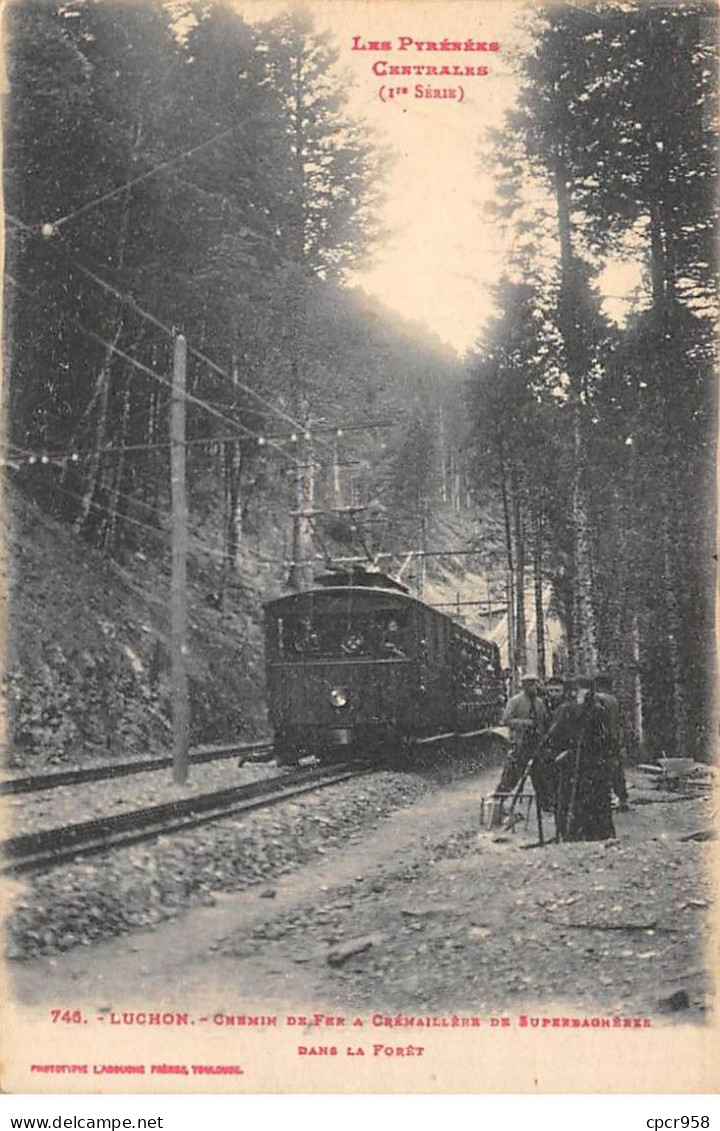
(442, 254)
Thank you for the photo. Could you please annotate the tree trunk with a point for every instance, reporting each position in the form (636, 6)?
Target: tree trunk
(520, 622)
(443, 457)
(454, 485)
(337, 495)
(585, 648)
(157, 458)
(232, 476)
(101, 396)
(510, 603)
(232, 466)
(102, 385)
(421, 518)
(637, 698)
(538, 582)
(673, 629)
(505, 503)
(510, 586)
(112, 536)
(585, 629)
(468, 490)
(664, 312)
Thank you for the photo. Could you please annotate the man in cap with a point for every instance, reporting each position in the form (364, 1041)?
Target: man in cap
(526, 716)
(556, 752)
(559, 698)
(554, 693)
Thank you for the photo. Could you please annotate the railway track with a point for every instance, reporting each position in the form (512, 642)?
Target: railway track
(40, 851)
(35, 783)
(255, 751)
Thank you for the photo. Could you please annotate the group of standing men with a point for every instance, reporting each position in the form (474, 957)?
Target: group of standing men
(570, 740)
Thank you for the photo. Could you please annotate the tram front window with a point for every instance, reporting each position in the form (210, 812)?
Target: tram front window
(391, 640)
(353, 643)
(377, 637)
(301, 638)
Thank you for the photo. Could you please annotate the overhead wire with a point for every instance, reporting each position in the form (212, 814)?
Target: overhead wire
(235, 383)
(90, 204)
(233, 380)
(54, 461)
(190, 397)
(123, 297)
(119, 449)
(78, 452)
(61, 462)
(122, 516)
(46, 458)
(129, 300)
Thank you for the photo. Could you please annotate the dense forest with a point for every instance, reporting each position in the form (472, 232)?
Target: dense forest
(174, 167)
(599, 438)
(206, 176)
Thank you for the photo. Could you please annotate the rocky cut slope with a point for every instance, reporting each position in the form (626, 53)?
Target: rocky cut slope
(87, 657)
(86, 671)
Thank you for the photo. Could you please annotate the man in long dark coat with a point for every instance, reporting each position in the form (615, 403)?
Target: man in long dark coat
(604, 694)
(580, 744)
(590, 812)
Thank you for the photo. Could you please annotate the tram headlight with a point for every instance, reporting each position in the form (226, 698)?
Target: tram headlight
(339, 697)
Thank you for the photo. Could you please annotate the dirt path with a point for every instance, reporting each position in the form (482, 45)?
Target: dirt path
(451, 918)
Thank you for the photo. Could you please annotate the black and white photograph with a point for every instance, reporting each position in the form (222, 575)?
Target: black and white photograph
(359, 546)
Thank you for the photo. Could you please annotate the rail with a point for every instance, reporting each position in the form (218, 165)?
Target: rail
(40, 851)
(40, 782)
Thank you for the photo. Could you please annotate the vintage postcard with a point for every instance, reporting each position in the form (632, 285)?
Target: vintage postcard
(359, 546)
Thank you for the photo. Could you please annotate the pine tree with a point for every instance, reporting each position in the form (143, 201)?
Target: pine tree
(330, 186)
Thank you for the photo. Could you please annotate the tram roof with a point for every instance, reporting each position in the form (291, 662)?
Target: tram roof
(322, 591)
(398, 592)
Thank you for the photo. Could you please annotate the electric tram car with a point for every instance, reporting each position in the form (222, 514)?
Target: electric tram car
(359, 666)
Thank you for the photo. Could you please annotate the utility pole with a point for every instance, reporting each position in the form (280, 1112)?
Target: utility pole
(178, 583)
(301, 571)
